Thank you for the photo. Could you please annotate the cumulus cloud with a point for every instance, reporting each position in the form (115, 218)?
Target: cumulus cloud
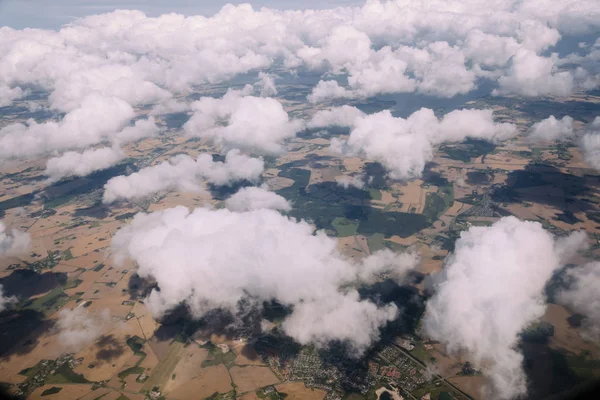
(356, 181)
(266, 84)
(483, 301)
(329, 90)
(8, 95)
(13, 242)
(390, 46)
(81, 164)
(404, 146)
(385, 264)
(5, 301)
(97, 119)
(276, 258)
(337, 116)
(77, 328)
(590, 144)
(142, 128)
(242, 121)
(255, 198)
(583, 296)
(552, 129)
(183, 173)
(534, 75)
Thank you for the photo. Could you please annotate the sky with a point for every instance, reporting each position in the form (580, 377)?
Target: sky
(45, 14)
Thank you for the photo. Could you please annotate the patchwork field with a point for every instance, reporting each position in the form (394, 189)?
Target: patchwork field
(297, 391)
(252, 377)
(210, 381)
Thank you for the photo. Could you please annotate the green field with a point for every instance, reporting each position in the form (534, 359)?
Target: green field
(67, 254)
(421, 354)
(72, 283)
(392, 223)
(436, 204)
(376, 242)
(375, 194)
(344, 227)
(52, 390)
(218, 357)
(64, 374)
(441, 392)
(327, 205)
(48, 304)
(469, 149)
(136, 344)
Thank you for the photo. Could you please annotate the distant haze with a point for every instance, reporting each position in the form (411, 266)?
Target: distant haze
(44, 14)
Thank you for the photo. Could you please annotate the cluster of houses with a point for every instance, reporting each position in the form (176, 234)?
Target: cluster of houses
(399, 368)
(44, 368)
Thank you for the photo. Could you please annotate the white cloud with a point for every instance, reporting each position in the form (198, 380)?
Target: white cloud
(183, 173)
(404, 146)
(388, 265)
(534, 75)
(275, 258)
(391, 46)
(266, 83)
(441, 69)
(356, 181)
(552, 129)
(81, 164)
(483, 301)
(236, 120)
(255, 198)
(583, 296)
(337, 116)
(329, 90)
(142, 128)
(97, 119)
(77, 328)
(9, 94)
(5, 301)
(590, 144)
(13, 242)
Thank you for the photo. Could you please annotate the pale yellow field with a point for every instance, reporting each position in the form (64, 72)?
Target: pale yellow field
(147, 325)
(279, 182)
(190, 200)
(409, 241)
(413, 196)
(47, 346)
(472, 385)
(163, 371)
(88, 278)
(447, 364)
(150, 362)
(98, 393)
(109, 353)
(64, 269)
(566, 337)
(72, 391)
(455, 209)
(252, 377)
(353, 164)
(348, 246)
(98, 238)
(297, 391)
(249, 396)
(188, 367)
(89, 261)
(246, 355)
(210, 380)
